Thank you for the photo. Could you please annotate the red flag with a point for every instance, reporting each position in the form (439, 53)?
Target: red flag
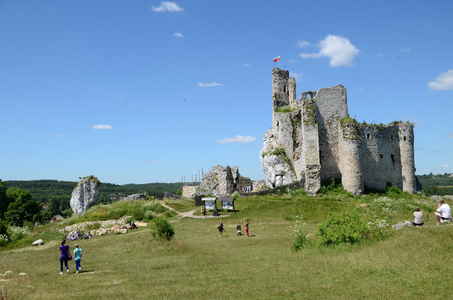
(276, 59)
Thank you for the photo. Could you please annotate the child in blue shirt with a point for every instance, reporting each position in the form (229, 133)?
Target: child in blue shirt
(77, 257)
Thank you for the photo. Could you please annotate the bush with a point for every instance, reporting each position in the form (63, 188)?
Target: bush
(155, 207)
(346, 228)
(334, 186)
(302, 239)
(169, 214)
(68, 212)
(161, 228)
(138, 215)
(149, 215)
(3, 227)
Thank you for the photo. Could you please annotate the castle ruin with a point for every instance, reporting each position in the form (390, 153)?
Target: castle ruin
(313, 140)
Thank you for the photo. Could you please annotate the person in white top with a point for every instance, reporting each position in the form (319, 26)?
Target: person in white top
(443, 213)
(418, 217)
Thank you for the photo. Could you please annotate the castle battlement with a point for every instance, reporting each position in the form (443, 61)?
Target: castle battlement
(313, 140)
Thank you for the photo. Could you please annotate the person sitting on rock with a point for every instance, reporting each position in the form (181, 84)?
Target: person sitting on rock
(133, 225)
(443, 213)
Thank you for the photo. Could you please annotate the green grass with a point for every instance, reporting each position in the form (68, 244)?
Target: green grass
(198, 264)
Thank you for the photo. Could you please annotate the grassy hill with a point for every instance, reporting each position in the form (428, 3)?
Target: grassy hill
(198, 264)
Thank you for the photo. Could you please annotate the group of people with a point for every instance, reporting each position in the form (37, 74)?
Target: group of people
(65, 256)
(443, 214)
(245, 189)
(221, 228)
(203, 211)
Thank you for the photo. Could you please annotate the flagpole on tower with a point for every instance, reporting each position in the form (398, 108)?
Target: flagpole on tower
(277, 59)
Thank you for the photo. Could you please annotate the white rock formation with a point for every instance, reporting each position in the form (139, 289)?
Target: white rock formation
(85, 194)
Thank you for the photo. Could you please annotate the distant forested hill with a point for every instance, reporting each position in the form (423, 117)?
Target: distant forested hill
(44, 190)
(437, 184)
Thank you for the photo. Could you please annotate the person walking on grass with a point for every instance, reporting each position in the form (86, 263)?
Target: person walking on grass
(246, 225)
(220, 228)
(418, 217)
(443, 213)
(64, 256)
(77, 257)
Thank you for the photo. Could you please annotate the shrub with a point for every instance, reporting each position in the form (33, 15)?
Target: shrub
(155, 207)
(149, 215)
(138, 215)
(169, 214)
(298, 193)
(346, 228)
(334, 185)
(3, 227)
(161, 228)
(301, 239)
(67, 213)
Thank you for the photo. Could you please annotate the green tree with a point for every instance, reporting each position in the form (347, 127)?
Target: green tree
(4, 200)
(22, 207)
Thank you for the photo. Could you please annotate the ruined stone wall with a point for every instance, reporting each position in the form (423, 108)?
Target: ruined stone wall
(188, 191)
(331, 104)
(351, 173)
(380, 156)
(406, 143)
(280, 91)
(310, 148)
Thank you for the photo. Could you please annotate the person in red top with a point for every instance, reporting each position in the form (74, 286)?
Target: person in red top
(64, 250)
(246, 224)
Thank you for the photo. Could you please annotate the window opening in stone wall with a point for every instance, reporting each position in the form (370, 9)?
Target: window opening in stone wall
(368, 136)
(285, 89)
(391, 137)
(404, 138)
(393, 158)
(381, 156)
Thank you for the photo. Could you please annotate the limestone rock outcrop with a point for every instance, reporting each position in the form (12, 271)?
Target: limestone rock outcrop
(219, 181)
(135, 197)
(85, 194)
(277, 169)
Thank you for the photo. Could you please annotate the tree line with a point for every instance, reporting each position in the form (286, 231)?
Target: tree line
(439, 184)
(40, 200)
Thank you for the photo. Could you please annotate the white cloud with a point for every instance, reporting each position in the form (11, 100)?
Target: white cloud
(153, 161)
(445, 166)
(58, 135)
(246, 65)
(201, 84)
(167, 6)
(177, 34)
(237, 139)
(302, 44)
(102, 126)
(443, 82)
(339, 49)
(379, 54)
(450, 134)
(297, 76)
(406, 50)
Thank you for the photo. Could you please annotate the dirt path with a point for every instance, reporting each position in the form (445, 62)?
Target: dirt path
(190, 214)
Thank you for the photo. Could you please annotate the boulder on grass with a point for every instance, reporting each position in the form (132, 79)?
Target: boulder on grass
(38, 242)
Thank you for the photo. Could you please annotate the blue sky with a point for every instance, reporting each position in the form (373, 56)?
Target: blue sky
(150, 91)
